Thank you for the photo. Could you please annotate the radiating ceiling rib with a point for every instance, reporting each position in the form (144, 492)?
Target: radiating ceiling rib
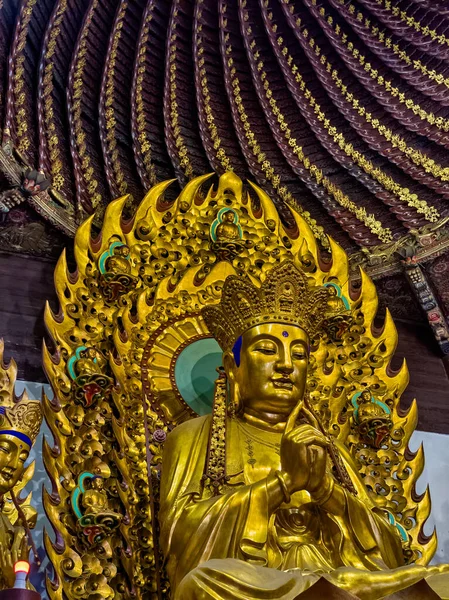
(83, 101)
(419, 29)
(21, 97)
(214, 114)
(424, 72)
(180, 112)
(115, 102)
(147, 116)
(8, 15)
(57, 49)
(334, 132)
(378, 128)
(384, 85)
(308, 158)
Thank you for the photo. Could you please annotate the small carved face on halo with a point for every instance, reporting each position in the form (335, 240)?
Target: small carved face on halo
(13, 454)
(270, 378)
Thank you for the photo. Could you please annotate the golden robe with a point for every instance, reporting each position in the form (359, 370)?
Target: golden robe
(299, 540)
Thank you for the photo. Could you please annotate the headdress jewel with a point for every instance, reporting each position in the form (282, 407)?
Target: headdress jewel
(284, 297)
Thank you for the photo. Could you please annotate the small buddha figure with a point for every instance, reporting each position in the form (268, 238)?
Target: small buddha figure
(85, 365)
(95, 499)
(282, 518)
(90, 384)
(118, 261)
(364, 398)
(372, 420)
(19, 426)
(115, 268)
(95, 517)
(336, 302)
(227, 230)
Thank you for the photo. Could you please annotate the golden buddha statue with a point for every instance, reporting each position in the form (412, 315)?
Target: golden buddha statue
(285, 514)
(287, 481)
(20, 421)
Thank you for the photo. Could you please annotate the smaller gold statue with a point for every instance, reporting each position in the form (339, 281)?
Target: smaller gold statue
(226, 234)
(95, 498)
(115, 269)
(228, 230)
(372, 419)
(90, 504)
(20, 421)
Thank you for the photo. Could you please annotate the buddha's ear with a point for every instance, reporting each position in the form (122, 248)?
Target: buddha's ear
(229, 365)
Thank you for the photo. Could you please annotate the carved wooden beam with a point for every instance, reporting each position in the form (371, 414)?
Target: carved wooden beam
(428, 301)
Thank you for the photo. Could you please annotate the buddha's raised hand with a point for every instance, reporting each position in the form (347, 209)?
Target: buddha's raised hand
(303, 456)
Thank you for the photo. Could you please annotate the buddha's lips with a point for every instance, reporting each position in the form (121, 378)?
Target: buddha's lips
(283, 382)
(6, 475)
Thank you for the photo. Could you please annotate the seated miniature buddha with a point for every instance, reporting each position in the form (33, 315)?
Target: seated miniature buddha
(283, 518)
(227, 230)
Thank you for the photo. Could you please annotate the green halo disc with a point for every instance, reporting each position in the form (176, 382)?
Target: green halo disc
(195, 374)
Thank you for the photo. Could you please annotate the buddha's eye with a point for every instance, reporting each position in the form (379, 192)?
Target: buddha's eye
(23, 456)
(298, 355)
(4, 448)
(268, 350)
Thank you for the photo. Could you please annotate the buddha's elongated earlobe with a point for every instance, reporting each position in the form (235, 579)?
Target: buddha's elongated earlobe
(230, 406)
(233, 402)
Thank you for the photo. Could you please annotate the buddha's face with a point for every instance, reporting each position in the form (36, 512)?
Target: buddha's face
(271, 377)
(13, 454)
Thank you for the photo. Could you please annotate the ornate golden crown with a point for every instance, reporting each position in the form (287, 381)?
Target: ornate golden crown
(284, 297)
(23, 419)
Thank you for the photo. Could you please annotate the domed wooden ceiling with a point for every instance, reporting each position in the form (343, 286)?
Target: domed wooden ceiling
(340, 107)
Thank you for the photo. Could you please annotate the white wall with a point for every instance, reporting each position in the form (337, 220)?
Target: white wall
(436, 474)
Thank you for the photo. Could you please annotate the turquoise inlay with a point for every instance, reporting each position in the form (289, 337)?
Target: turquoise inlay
(72, 360)
(399, 527)
(218, 220)
(355, 404)
(339, 294)
(403, 533)
(79, 491)
(195, 374)
(106, 254)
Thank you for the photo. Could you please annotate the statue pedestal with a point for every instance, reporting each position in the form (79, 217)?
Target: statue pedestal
(19, 595)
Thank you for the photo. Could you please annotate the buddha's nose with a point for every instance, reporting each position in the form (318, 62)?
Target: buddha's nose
(13, 462)
(285, 364)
